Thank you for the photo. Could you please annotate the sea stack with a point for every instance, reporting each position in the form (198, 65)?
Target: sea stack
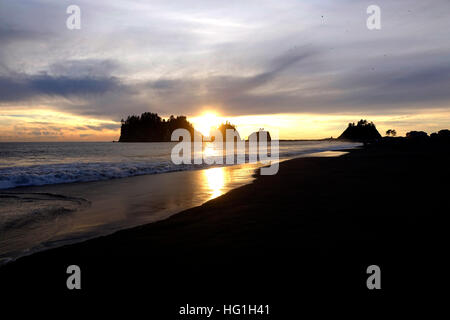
(362, 131)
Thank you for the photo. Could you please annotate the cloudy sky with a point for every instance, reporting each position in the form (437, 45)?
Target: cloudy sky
(306, 68)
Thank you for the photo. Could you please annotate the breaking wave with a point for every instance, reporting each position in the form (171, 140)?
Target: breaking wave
(44, 174)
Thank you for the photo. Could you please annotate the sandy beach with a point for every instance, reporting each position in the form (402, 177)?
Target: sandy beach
(332, 218)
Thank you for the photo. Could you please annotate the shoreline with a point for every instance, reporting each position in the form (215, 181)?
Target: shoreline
(95, 168)
(333, 216)
(114, 205)
(109, 206)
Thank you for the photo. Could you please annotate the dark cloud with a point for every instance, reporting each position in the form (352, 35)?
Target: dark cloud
(10, 35)
(65, 86)
(355, 89)
(84, 68)
(23, 87)
(360, 89)
(387, 88)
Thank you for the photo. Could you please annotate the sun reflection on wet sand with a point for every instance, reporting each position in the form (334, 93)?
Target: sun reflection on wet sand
(215, 178)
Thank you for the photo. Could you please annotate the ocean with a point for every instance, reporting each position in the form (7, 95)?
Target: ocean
(53, 194)
(43, 163)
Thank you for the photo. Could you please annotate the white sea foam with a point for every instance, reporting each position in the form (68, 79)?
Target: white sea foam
(96, 168)
(78, 172)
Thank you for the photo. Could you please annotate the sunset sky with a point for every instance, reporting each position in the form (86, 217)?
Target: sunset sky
(304, 68)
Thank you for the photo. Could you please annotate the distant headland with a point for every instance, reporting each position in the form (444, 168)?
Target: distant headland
(365, 131)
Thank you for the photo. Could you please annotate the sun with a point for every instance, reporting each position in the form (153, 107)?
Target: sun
(205, 122)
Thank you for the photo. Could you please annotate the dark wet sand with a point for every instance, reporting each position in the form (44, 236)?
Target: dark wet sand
(307, 233)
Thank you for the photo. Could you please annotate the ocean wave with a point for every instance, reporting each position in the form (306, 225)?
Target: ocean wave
(45, 174)
(78, 172)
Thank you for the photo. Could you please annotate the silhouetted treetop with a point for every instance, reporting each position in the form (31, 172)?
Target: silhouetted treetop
(223, 131)
(416, 135)
(226, 126)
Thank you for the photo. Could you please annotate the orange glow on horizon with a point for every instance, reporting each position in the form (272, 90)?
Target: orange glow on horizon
(319, 126)
(43, 124)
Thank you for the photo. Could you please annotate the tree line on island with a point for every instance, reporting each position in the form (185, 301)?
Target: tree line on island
(150, 127)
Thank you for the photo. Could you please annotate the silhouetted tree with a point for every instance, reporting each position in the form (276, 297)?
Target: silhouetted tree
(445, 133)
(441, 136)
(416, 135)
(223, 130)
(391, 132)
